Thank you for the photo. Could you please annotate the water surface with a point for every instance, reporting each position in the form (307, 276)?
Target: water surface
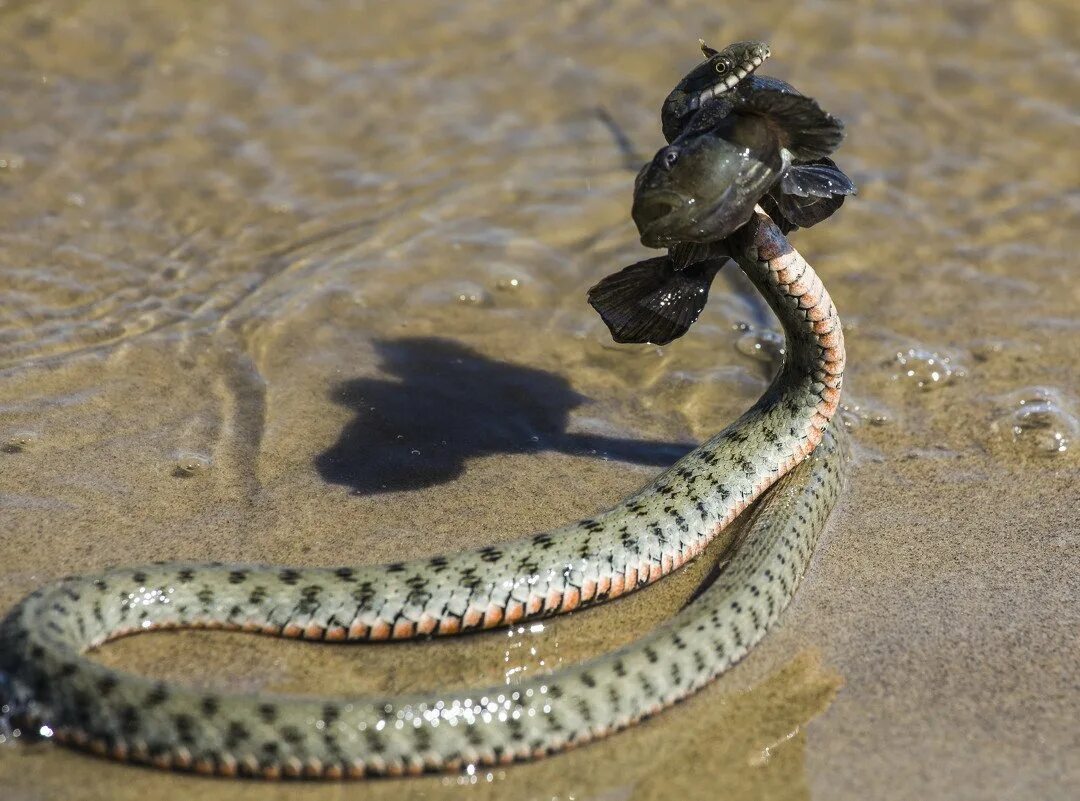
(305, 282)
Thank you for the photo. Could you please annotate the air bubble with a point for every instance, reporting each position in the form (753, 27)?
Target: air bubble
(1039, 419)
(854, 415)
(925, 369)
(765, 346)
(187, 465)
(21, 441)
(473, 295)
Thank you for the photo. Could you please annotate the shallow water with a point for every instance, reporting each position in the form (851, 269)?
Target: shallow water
(305, 282)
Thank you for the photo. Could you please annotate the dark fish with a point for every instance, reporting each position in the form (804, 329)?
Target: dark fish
(806, 178)
(735, 141)
(705, 184)
(807, 194)
(657, 300)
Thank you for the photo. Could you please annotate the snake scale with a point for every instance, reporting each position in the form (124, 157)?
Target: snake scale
(49, 686)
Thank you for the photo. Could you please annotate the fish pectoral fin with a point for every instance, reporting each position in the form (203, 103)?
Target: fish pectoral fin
(818, 178)
(652, 301)
(805, 211)
(807, 130)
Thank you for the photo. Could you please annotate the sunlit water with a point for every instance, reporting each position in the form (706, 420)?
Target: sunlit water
(305, 282)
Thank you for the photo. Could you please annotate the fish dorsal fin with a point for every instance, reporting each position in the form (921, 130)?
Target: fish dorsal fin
(805, 128)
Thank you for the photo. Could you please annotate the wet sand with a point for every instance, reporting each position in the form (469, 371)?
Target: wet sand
(305, 284)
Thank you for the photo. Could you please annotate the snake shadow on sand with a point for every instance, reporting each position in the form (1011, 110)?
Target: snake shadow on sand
(445, 404)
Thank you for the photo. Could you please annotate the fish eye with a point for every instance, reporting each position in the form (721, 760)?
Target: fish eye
(721, 67)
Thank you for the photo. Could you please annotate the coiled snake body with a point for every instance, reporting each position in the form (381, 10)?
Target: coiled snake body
(48, 684)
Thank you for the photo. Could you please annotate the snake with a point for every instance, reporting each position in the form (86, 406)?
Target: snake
(50, 687)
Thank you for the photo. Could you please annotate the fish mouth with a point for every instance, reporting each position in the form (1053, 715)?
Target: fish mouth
(653, 216)
(667, 219)
(729, 81)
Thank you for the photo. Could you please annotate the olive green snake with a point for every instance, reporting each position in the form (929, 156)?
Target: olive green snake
(48, 686)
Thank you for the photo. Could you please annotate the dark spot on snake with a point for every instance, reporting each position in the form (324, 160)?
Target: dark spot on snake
(490, 555)
(584, 710)
(699, 661)
(422, 738)
(156, 696)
(288, 576)
(469, 579)
(291, 735)
(268, 713)
(473, 735)
(210, 706)
(129, 719)
(236, 733)
(517, 731)
(67, 669)
(375, 742)
(185, 728)
(345, 574)
(238, 576)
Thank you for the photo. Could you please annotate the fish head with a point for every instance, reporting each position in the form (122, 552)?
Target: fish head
(700, 189)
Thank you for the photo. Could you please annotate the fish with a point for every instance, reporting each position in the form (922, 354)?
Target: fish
(735, 140)
(705, 184)
(812, 189)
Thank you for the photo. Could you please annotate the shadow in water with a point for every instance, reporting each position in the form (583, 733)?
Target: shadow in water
(448, 404)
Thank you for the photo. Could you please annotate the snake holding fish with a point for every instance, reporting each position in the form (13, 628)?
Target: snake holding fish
(50, 688)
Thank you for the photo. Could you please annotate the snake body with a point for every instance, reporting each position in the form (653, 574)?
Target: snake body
(48, 684)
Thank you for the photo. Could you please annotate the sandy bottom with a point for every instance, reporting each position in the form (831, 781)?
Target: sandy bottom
(304, 283)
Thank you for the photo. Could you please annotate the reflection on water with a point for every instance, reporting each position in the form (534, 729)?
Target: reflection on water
(746, 745)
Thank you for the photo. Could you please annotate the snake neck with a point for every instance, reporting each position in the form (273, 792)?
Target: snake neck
(808, 384)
